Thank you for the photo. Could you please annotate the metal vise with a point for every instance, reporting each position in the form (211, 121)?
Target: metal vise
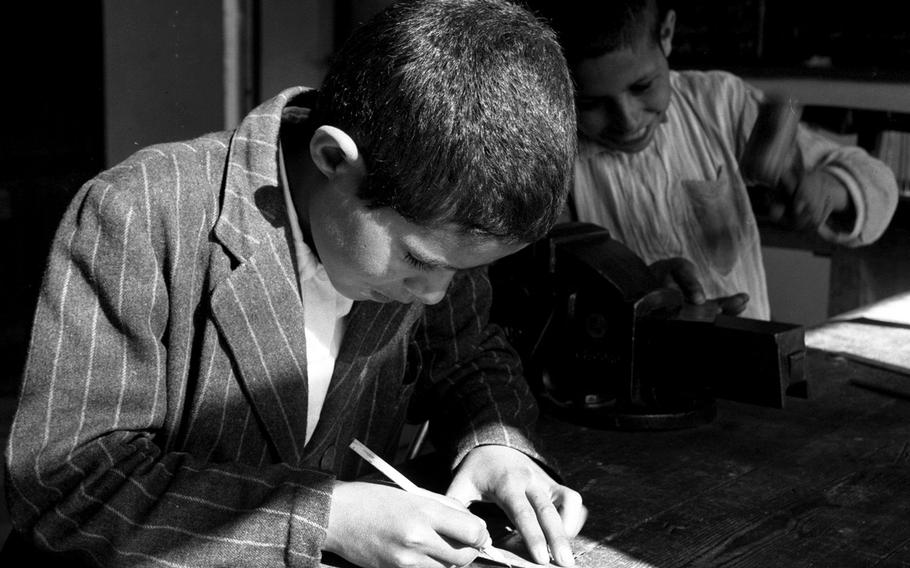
(604, 345)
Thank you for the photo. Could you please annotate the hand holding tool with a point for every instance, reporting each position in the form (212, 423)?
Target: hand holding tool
(488, 551)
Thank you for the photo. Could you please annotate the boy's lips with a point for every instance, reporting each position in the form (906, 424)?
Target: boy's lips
(378, 296)
(633, 142)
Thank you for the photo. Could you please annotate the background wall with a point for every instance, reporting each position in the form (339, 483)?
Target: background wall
(51, 141)
(798, 285)
(296, 42)
(163, 72)
(171, 66)
(91, 82)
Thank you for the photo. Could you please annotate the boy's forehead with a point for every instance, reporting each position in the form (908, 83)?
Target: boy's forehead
(454, 235)
(454, 247)
(613, 72)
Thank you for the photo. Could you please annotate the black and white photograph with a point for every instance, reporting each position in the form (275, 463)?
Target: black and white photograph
(455, 283)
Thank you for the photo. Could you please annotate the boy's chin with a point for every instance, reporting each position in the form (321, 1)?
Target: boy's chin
(627, 146)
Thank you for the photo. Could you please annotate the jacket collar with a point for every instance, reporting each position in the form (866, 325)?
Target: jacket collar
(251, 192)
(257, 307)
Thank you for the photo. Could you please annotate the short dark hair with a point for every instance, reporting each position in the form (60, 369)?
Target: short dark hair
(591, 28)
(463, 111)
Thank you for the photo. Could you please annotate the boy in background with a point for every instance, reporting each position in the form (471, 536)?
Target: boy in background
(221, 317)
(660, 150)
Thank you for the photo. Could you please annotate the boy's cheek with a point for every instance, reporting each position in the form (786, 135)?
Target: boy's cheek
(590, 123)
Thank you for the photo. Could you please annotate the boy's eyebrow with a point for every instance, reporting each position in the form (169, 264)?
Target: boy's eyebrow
(431, 262)
(644, 79)
(648, 77)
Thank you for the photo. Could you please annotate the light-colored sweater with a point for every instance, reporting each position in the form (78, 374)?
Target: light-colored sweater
(684, 195)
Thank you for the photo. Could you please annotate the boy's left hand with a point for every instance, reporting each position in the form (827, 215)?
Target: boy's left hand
(818, 195)
(546, 513)
(680, 273)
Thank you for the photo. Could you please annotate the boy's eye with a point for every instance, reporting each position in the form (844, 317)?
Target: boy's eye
(416, 262)
(587, 104)
(641, 87)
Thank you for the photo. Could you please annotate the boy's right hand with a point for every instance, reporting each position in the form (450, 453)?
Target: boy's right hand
(375, 525)
(819, 195)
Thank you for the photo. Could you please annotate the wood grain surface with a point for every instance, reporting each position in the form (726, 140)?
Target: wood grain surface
(823, 482)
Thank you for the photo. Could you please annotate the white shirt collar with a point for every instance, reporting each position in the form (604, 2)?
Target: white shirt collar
(308, 266)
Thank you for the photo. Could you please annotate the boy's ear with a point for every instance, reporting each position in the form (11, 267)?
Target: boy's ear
(334, 152)
(667, 27)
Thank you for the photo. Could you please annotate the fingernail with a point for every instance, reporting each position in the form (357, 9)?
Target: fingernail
(542, 555)
(565, 558)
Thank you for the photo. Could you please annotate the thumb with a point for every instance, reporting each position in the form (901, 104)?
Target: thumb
(463, 490)
(777, 211)
(681, 273)
(446, 500)
(733, 305)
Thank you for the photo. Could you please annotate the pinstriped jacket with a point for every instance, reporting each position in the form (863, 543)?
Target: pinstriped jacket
(162, 414)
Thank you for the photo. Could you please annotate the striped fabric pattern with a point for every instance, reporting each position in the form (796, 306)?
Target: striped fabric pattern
(163, 411)
(684, 196)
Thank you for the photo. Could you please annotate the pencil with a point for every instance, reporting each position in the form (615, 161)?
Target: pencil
(489, 552)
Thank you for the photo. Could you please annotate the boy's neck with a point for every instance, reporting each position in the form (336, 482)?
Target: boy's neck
(302, 175)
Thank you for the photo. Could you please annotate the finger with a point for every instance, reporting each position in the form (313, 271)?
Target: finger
(456, 545)
(461, 529)
(450, 553)
(822, 210)
(684, 275)
(436, 535)
(733, 305)
(524, 517)
(803, 214)
(777, 211)
(814, 204)
(552, 525)
(571, 510)
(705, 312)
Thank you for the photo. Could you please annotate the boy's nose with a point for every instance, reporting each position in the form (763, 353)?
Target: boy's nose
(430, 288)
(626, 116)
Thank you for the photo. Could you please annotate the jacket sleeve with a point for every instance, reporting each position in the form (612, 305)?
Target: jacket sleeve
(470, 382)
(87, 472)
(870, 184)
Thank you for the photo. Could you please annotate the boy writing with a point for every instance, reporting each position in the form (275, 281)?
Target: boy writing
(221, 317)
(659, 154)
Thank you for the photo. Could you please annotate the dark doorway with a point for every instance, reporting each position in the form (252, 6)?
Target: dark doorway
(52, 141)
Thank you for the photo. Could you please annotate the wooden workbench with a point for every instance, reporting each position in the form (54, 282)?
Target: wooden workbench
(823, 482)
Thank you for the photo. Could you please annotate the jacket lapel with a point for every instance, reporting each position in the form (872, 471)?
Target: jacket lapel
(261, 319)
(257, 307)
(374, 345)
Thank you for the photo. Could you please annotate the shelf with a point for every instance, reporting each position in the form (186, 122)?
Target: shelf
(856, 94)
